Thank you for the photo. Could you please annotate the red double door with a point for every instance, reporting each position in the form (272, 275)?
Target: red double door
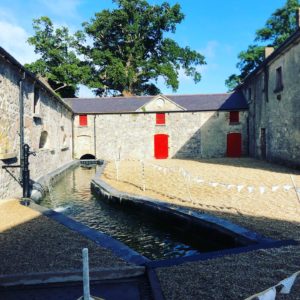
(161, 146)
(234, 145)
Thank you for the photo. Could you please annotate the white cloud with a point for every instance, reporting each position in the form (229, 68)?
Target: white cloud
(13, 39)
(210, 49)
(85, 92)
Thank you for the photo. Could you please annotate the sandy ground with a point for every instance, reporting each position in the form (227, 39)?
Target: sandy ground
(255, 194)
(30, 242)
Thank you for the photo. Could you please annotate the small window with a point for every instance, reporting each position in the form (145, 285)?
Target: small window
(234, 117)
(43, 140)
(83, 120)
(160, 119)
(36, 101)
(279, 82)
(249, 94)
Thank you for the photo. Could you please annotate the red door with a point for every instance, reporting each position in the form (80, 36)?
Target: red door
(161, 146)
(234, 145)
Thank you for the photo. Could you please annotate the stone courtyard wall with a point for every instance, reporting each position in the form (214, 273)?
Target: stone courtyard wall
(131, 136)
(51, 116)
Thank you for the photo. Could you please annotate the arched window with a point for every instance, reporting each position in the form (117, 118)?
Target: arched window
(43, 139)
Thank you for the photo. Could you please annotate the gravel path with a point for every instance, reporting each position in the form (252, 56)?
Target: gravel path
(211, 186)
(31, 242)
(232, 277)
(267, 203)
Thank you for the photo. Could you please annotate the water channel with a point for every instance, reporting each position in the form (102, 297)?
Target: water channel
(155, 239)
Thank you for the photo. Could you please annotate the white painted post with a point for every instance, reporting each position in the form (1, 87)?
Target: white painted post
(143, 176)
(86, 275)
(294, 184)
(117, 169)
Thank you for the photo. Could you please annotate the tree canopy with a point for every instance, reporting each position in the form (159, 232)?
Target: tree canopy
(123, 51)
(278, 28)
(58, 63)
(129, 51)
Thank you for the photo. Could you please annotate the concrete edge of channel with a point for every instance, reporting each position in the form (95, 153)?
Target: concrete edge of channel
(116, 273)
(101, 239)
(242, 234)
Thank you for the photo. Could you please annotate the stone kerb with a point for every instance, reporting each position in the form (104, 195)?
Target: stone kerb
(240, 234)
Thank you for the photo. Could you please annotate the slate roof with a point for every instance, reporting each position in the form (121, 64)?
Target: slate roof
(232, 101)
(202, 102)
(107, 105)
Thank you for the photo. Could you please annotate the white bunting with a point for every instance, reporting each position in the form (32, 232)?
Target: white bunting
(288, 283)
(262, 189)
(199, 180)
(275, 188)
(250, 189)
(230, 186)
(268, 295)
(239, 188)
(287, 187)
(214, 184)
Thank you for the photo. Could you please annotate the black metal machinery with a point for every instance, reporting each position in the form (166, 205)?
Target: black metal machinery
(25, 172)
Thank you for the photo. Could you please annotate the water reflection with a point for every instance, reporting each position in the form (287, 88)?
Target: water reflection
(72, 197)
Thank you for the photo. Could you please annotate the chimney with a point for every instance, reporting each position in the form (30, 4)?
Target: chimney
(298, 17)
(268, 51)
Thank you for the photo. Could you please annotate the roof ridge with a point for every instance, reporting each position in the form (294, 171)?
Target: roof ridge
(105, 98)
(148, 96)
(213, 94)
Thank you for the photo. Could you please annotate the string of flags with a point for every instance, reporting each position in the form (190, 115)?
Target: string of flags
(284, 287)
(238, 187)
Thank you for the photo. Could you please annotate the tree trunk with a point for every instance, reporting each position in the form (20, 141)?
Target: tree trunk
(127, 93)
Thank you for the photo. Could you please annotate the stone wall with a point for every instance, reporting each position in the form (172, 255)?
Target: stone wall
(275, 113)
(131, 136)
(51, 116)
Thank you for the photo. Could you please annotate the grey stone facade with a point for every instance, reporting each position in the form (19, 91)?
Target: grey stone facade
(47, 127)
(131, 136)
(273, 95)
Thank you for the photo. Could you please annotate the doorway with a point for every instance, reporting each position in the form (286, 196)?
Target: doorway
(263, 144)
(234, 145)
(161, 146)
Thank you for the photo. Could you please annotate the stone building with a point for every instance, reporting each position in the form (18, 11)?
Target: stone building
(273, 94)
(260, 119)
(47, 125)
(176, 126)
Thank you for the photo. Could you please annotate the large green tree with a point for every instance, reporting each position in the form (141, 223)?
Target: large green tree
(278, 28)
(130, 51)
(58, 62)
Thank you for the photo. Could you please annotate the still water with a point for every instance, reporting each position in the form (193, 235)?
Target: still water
(141, 232)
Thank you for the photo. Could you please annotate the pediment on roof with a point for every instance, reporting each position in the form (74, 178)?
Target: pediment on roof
(160, 103)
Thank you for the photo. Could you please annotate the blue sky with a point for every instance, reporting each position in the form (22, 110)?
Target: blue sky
(218, 29)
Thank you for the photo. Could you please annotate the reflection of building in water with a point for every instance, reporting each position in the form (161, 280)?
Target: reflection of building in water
(81, 180)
